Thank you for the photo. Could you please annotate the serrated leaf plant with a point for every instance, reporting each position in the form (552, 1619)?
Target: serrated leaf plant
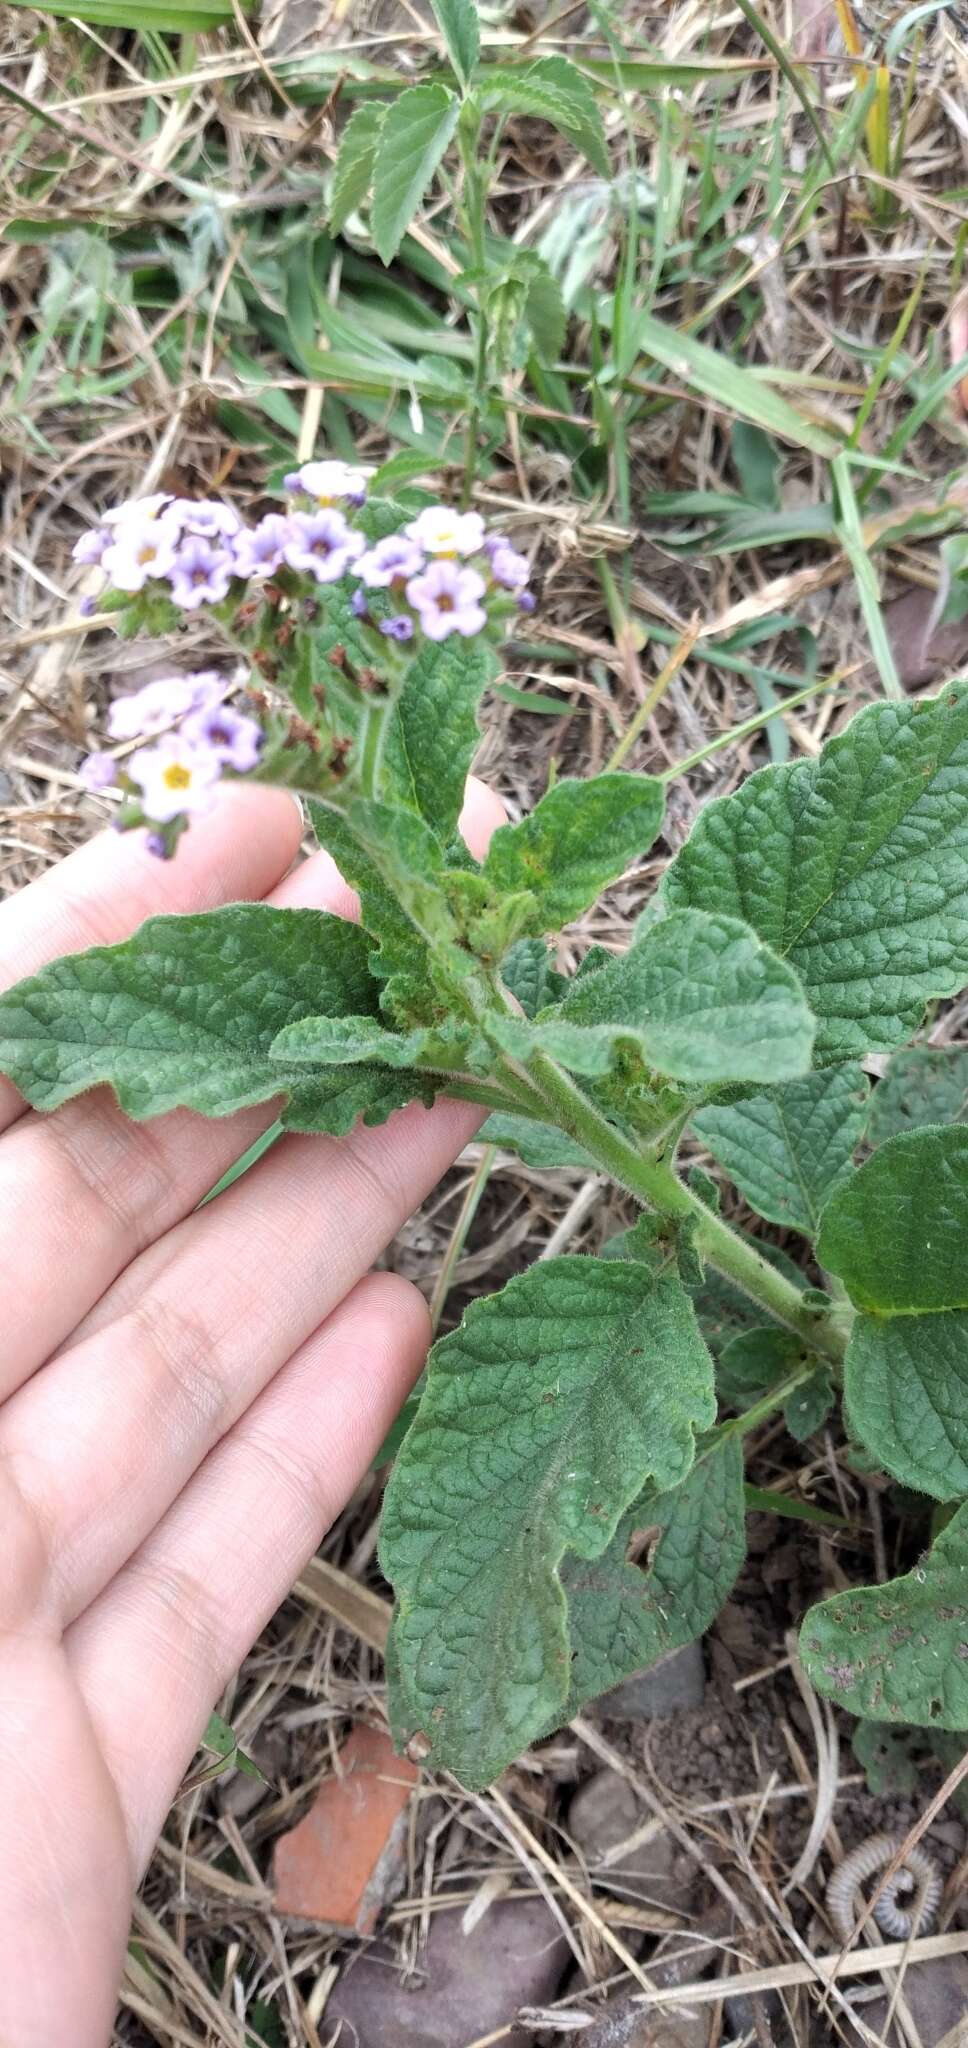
(567, 1502)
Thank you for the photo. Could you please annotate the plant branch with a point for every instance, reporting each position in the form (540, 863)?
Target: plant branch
(656, 1186)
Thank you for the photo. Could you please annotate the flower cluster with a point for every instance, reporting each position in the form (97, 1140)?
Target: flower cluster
(439, 572)
(195, 734)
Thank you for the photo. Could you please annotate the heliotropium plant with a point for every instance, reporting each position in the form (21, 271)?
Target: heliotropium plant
(567, 1503)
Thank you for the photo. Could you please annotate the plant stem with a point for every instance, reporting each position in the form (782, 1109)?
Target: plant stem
(653, 1183)
(376, 719)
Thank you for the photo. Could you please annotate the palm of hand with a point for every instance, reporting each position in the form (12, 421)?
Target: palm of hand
(187, 1400)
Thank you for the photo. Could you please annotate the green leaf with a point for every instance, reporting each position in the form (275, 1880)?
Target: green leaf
(342, 1041)
(757, 463)
(885, 1759)
(807, 1408)
(728, 384)
(855, 866)
(555, 90)
(432, 733)
(662, 1580)
(753, 1361)
(789, 1148)
(579, 837)
(539, 1145)
(895, 1233)
(461, 30)
(185, 1012)
(528, 975)
(899, 1652)
(924, 1084)
(544, 1416)
(724, 1312)
(414, 136)
(699, 998)
(167, 17)
(544, 311)
(353, 172)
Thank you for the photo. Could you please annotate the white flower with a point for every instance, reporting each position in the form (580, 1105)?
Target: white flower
(441, 531)
(329, 482)
(144, 547)
(174, 778)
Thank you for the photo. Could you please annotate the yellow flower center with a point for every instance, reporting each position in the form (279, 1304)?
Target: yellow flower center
(148, 552)
(176, 776)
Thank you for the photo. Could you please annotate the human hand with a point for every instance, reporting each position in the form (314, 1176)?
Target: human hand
(186, 1401)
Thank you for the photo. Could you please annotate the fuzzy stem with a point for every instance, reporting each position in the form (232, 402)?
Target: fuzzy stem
(653, 1183)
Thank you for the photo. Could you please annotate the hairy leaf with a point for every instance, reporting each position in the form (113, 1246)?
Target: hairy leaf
(855, 866)
(700, 998)
(554, 89)
(579, 837)
(539, 1145)
(414, 136)
(353, 173)
(924, 1084)
(461, 30)
(339, 1041)
(789, 1148)
(899, 1652)
(529, 975)
(432, 732)
(185, 1012)
(895, 1233)
(544, 1416)
(672, 1562)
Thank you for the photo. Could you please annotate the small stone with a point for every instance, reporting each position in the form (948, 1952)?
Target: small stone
(627, 2026)
(467, 1985)
(605, 1812)
(347, 1857)
(676, 1682)
(936, 1995)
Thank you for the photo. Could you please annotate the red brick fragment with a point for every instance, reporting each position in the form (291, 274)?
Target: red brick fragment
(346, 1857)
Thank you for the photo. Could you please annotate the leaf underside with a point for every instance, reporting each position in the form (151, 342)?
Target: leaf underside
(899, 1652)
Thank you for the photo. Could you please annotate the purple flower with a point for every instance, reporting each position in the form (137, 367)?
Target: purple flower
(234, 740)
(391, 559)
(447, 598)
(174, 778)
(205, 516)
(200, 574)
(156, 706)
(323, 544)
(397, 628)
(98, 771)
(87, 606)
(156, 843)
(440, 531)
(141, 548)
(330, 483)
(527, 602)
(493, 541)
(90, 548)
(358, 604)
(259, 550)
(510, 568)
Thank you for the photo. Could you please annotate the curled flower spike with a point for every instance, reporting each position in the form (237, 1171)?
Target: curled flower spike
(440, 531)
(447, 599)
